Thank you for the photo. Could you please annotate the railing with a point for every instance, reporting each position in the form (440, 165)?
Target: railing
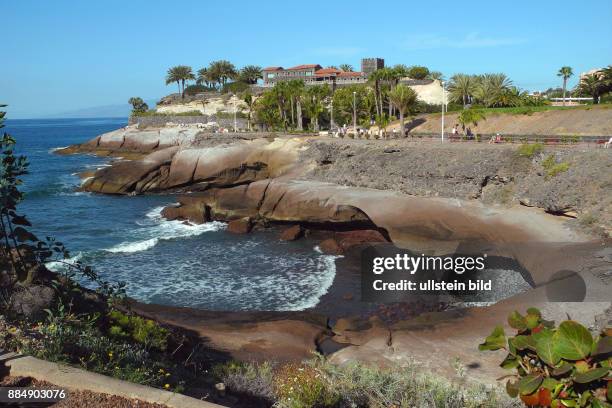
(550, 140)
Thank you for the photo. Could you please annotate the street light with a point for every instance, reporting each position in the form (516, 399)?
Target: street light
(443, 100)
(354, 113)
(235, 122)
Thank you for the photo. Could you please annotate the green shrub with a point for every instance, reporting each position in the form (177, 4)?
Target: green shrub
(235, 87)
(196, 89)
(319, 383)
(418, 72)
(558, 168)
(302, 386)
(246, 378)
(144, 331)
(77, 340)
(552, 167)
(530, 150)
(555, 366)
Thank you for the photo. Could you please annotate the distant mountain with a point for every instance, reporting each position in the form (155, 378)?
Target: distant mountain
(104, 111)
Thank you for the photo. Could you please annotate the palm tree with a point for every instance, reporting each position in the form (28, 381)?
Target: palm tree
(565, 73)
(138, 105)
(180, 74)
(511, 97)
(204, 77)
(470, 117)
(296, 90)
(221, 71)
(462, 88)
(374, 79)
(280, 93)
(250, 101)
(315, 95)
(490, 87)
(593, 85)
(404, 99)
(250, 74)
(346, 67)
(382, 121)
(607, 78)
(436, 76)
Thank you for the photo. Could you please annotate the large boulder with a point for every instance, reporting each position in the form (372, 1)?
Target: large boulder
(31, 301)
(240, 226)
(292, 233)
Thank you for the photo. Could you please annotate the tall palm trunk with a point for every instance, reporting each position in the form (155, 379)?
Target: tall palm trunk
(178, 85)
(292, 116)
(376, 101)
(298, 108)
(564, 86)
(401, 114)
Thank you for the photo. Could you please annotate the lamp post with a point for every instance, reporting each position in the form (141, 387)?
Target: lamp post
(443, 100)
(354, 113)
(235, 121)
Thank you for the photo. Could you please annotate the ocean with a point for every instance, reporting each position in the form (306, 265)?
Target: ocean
(164, 262)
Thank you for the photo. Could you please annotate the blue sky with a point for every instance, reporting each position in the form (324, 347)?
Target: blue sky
(61, 55)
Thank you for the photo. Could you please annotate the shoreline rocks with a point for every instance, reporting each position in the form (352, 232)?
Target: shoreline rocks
(350, 188)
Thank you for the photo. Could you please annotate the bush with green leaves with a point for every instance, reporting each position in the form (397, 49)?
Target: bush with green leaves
(138, 105)
(552, 167)
(319, 383)
(564, 366)
(144, 331)
(530, 150)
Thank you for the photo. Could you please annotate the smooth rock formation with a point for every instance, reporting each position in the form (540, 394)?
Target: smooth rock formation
(292, 233)
(240, 226)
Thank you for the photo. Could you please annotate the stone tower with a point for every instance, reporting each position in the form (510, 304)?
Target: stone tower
(369, 65)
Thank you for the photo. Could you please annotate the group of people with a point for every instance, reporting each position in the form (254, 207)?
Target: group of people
(468, 132)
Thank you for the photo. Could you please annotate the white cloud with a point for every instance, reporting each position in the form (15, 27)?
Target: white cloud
(471, 40)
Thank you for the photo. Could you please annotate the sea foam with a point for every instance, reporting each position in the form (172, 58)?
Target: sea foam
(158, 229)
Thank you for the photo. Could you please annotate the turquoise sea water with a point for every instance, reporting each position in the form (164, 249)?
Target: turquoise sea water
(165, 262)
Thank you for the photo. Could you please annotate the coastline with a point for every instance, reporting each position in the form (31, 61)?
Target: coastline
(240, 174)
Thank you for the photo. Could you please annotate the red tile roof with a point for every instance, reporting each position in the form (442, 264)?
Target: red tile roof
(305, 66)
(327, 71)
(351, 74)
(272, 69)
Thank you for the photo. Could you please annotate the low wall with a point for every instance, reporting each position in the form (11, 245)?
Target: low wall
(161, 120)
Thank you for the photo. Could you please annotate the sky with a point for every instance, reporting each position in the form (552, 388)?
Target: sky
(61, 56)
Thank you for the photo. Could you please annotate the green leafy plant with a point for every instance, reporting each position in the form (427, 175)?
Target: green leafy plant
(145, 331)
(302, 386)
(530, 150)
(552, 167)
(562, 366)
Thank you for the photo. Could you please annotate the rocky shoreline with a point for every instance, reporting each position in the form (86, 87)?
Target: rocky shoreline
(350, 193)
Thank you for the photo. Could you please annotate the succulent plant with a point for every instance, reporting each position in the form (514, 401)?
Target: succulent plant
(562, 366)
